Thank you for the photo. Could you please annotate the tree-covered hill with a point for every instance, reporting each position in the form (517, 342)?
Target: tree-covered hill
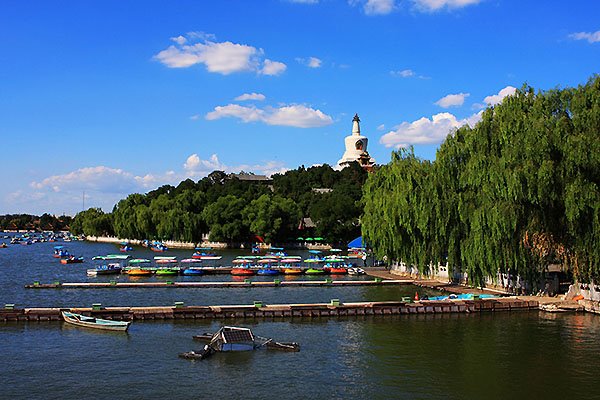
(45, 222)
(234, 209)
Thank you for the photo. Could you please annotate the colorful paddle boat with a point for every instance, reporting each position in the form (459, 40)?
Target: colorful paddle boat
(71, 260)
(125, 247)
(110, 269)
(139, 272)
(242, 271)
(60, 252)
(167, 271)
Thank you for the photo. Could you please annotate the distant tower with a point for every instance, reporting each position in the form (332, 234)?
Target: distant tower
(356, 148)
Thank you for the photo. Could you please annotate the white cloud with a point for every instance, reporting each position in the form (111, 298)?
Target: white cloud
(246, 114)
(591, 37)
(180, 40)
(497, 98)
(218, 57)
(295, 115)
(405, 73)
(436, 5)
(250, 96)
(379, 7)
(314, 62)
(197, 168)
(194, 163)
(104, 186)
(452, 100)
(311, 62)
(472, 120)
(298, 116)
(92, 178)
(381, 127)
(195, 117)
(173, 57)
(425, 130)
(273, 67)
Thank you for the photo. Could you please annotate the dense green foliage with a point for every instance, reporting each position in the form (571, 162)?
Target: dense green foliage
(46, 222)
(515, 193)
(236, 210)
(94, 222)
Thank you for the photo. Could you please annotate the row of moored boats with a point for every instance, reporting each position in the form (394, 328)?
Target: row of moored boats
(269, 265)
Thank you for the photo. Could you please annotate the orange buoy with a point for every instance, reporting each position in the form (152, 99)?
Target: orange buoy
(416, 296)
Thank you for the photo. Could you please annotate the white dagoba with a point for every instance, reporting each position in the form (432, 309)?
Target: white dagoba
(356, 148)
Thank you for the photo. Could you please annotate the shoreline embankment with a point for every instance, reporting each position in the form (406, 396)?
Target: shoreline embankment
(569, 302)
(174, 244)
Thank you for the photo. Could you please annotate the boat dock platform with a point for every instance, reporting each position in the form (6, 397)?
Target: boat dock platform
(278, 311)
(232, 284)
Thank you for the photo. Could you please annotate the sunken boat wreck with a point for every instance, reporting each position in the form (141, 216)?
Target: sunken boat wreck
(232, 338)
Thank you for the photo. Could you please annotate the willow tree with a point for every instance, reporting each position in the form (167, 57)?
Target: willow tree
(514, 193)
(400, 209)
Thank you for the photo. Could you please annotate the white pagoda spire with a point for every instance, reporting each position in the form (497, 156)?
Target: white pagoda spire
(356, 148)
(356, 125)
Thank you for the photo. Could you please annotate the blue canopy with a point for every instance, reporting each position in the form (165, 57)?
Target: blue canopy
(357, 243)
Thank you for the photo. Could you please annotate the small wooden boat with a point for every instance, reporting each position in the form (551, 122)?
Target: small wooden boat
(71, 260)
(139, 272)
(95, 323)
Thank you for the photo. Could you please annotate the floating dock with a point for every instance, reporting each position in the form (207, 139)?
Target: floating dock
(276, 311)
(233, 284)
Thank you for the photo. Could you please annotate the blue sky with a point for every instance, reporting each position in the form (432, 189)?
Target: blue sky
(116, 97)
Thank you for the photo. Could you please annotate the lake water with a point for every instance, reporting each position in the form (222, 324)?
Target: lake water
(478, 356)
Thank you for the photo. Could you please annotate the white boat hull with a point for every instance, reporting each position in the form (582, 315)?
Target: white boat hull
(95, 323)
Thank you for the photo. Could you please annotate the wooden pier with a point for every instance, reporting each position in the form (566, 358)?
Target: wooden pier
(233, 284)
(276, 311)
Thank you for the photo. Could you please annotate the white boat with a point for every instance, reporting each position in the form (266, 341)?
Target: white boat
(95, 323)
(356, 271)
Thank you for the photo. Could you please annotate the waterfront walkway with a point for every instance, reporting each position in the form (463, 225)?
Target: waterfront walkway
(260, 310)
(546, 303)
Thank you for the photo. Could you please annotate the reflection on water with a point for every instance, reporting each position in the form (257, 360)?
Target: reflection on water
(507, 355)
(465, 356)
